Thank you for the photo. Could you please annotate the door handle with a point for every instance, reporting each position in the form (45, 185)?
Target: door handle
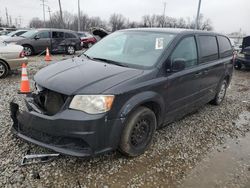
(198, 74)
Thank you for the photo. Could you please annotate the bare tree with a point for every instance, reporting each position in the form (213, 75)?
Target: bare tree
(36, 23)
(117, 21)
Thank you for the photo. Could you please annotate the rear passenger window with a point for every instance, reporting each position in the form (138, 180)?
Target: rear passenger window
(208, 48)
(187, 51)
(224, 47)
(57, 35)
(69, 35)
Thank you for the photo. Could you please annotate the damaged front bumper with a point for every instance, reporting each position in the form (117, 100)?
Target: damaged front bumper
(69, 131)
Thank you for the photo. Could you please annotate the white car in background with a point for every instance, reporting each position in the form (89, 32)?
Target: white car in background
(11, 58)
(13, 34)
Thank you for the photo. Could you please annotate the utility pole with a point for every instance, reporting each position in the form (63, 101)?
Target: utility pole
(10, 21)
(79, 26)
(16, 22)
(20, 21)
(43, 4)
(49, 11)
(163, 15)
(198, 15)
(164, 10)
(7, 16)
(60, 7)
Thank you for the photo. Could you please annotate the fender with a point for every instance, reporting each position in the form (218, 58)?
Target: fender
(141, 98)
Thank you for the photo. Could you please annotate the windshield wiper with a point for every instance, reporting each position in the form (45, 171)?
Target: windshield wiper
(109, 61)
(86, 56)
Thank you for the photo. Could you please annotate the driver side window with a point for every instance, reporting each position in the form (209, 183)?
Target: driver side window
(186, 51)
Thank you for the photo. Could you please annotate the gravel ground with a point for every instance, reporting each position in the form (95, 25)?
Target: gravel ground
(176, 149)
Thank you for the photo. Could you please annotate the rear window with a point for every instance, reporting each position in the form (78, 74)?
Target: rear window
(69, 35)
(224, 46)
(208, 48)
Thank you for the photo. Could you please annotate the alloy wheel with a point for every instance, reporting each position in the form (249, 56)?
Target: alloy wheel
(71, 50)
(2, 70)
(27, 51)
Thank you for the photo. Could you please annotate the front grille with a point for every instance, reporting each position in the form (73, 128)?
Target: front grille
(49, 101)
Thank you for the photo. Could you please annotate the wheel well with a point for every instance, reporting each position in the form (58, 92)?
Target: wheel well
(5, 63)
(155, 108)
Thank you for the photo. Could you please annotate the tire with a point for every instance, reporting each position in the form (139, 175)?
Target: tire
(28, 50)
(138, 132)
(238, 65)
(4, 70)
(220, 95)
(70, 50)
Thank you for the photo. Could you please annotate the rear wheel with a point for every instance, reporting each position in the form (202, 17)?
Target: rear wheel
(3, 69)
(220, 93)
(138, 132)
(70, 50)
(28, 50)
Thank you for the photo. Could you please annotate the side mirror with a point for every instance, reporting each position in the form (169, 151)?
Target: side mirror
(178, 64)
(36, 37)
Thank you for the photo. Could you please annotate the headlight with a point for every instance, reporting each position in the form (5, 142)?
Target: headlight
(92, 104)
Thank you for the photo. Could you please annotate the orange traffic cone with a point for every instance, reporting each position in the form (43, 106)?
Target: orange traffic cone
(25, 84)
(47, 56)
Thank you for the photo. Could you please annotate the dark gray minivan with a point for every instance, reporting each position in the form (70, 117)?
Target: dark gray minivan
(57, 40)
(117, 93)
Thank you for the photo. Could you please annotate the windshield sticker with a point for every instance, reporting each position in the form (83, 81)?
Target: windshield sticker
(159, 43)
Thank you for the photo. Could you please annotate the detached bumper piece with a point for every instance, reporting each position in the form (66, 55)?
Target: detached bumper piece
(38, 158)
(69, 132)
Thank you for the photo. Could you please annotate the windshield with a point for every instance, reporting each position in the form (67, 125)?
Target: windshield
(29, 34)
(12, 33)
(131, 48)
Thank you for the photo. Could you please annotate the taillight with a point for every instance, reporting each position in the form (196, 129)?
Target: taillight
(21, 55)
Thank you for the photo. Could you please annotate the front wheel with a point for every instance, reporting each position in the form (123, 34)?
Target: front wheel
(138, 132)
(70, 50)
(220, 94)
(3, 69)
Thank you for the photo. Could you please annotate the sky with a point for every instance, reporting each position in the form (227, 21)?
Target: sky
(226, 15)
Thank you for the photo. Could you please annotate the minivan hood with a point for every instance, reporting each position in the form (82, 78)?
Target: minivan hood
(83, 76)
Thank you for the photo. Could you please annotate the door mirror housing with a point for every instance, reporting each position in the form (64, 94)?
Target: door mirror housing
(36, 37)
(178, 64)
